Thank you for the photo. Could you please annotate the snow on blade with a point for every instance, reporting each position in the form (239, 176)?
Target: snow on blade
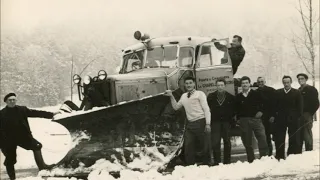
(74, 113)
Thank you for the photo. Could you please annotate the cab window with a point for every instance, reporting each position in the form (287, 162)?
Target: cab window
(132, 61)
(210, 55)
(165, 56)
(186, 57)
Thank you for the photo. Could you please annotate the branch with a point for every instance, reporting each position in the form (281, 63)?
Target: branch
(305, 43)
(305, 66)
(303, 16)
(301, 57)
(316, 22)
(296, 36)
(88, 65)
(307, 5)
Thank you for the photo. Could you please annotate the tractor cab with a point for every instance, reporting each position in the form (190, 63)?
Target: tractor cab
(157, 64)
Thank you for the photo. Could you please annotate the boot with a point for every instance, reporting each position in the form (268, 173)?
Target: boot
(40, 162)
(11, 172)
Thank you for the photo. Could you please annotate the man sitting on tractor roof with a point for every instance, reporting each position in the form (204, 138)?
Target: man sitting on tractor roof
(236, 51)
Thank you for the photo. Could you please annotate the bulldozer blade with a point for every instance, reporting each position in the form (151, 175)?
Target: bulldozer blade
(121, 132)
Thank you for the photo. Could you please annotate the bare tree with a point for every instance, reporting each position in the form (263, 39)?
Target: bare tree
(304, 44)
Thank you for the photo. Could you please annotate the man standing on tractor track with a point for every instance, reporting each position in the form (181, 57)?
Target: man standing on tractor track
(199, 119)
(15, 131)
(310, 106)
(236, 51)
(249, 106)
(268, 95)
(287, 113)
(222, 106)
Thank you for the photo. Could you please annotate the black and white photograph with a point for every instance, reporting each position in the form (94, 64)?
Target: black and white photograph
(159, 90)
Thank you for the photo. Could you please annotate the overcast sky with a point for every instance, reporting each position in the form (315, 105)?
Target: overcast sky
(132, 14)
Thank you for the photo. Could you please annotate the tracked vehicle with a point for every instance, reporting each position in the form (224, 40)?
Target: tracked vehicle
(129, 111)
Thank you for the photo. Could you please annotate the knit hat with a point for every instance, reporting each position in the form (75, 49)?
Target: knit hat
(8, 95)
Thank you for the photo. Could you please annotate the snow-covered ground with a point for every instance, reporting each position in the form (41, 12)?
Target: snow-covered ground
(304, 166)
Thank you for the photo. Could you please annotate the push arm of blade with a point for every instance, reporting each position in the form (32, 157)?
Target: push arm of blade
(176, 105)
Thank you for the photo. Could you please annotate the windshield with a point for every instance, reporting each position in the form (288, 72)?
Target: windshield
(186, 57)
(158, 57)
(132, 61)
(165, 56)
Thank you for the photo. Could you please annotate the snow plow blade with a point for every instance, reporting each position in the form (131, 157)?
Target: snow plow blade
(122, 132)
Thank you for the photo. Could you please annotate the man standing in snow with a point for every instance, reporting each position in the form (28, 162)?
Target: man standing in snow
(249, 106)
(199, 119)
(288, 110)
(268, 95)
(310, 106)
(221, 104)
(15, 131)
(236, 51)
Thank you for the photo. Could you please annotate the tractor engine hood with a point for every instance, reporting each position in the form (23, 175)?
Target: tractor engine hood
(142, 74)
(139, 84)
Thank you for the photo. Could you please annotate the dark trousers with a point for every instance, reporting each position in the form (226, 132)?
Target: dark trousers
(247, 126)
(221, 130)
(306, 134)
(195, 141)
(10, 149)
(281, 127)
(268, 130)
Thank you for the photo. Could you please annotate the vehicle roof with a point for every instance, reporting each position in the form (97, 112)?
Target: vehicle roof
(183, 41)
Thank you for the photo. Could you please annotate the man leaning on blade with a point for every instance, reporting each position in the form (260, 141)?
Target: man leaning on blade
(15, 131)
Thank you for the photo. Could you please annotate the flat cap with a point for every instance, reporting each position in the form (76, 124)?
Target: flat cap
(302, 74)
(8, 95)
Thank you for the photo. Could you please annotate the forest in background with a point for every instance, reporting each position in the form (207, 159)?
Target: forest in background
(40, 38)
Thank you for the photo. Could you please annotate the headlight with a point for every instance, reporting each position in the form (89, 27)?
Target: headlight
(102, 75)
(76, 79)
(140, 36)
(87, 80)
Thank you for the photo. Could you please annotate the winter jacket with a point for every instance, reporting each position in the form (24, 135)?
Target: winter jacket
(310, 99)
(288, 105)
(249, 106)
(223, 112)
(268, 95)
(14, 122)
(236, 54)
